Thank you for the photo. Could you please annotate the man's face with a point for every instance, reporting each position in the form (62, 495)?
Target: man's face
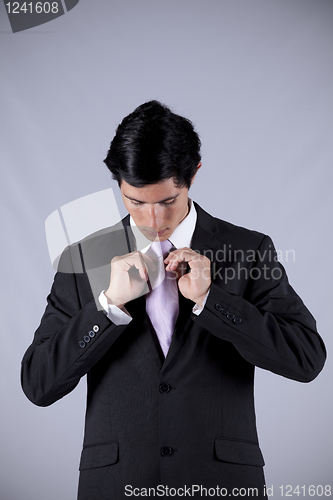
(156, 209)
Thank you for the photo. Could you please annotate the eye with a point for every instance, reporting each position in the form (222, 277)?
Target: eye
(136, 203)
(169, 202)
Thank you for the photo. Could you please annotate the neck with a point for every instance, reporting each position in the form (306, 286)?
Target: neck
(187, 211)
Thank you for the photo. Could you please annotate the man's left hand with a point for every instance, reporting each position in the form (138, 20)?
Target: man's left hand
(195, 284)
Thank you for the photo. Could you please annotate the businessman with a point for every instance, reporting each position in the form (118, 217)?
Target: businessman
(168, 313)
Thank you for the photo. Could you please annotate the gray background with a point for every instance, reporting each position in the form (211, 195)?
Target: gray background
(255, 77)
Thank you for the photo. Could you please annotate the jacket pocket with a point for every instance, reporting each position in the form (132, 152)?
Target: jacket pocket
(99, 455)
(238, 452)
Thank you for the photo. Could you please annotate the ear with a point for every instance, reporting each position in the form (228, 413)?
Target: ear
(199, 166)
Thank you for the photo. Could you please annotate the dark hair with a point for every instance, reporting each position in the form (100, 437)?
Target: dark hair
(153, 144)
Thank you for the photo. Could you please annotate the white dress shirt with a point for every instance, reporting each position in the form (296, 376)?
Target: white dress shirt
(180, 238)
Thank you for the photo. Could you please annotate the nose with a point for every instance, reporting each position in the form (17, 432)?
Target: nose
(154, 217)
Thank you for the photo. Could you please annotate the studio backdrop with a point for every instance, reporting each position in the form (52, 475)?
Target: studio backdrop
(255, 77)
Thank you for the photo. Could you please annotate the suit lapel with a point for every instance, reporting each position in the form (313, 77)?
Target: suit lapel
(204, 233)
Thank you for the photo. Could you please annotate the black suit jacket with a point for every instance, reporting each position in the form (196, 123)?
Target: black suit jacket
(188, 419)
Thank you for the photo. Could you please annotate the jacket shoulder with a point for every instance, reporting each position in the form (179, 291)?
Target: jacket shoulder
(95, 250)
(237, 236)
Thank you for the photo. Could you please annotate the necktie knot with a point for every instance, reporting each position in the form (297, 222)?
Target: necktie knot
(161, 248)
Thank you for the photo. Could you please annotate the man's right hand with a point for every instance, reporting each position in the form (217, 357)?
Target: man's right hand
(129, 278)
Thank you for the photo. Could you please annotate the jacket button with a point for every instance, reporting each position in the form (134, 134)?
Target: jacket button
(82, 344)
(218, 307)
(237, 320)
(224, 311)
(91, 333)
(165, 388)
(166, 451)
(230, 316)
(86, 338)
(96, 328)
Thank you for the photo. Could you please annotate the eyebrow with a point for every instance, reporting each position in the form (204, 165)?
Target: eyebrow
(160, 201)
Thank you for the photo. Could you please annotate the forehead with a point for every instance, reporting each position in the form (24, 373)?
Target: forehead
(152, 193)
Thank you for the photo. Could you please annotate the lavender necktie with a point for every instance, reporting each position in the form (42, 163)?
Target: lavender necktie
(162, 303)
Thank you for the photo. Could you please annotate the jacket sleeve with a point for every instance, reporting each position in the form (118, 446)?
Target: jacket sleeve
(71, 338)
(266, 321)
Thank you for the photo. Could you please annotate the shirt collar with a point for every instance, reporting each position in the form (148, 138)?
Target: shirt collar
(180, 238)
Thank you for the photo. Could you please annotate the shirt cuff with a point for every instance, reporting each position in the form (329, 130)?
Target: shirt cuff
(116, 315)
(198, 309)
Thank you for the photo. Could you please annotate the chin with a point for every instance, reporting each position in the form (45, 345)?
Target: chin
(164, 235)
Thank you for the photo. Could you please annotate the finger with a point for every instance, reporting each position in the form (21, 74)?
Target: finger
(135, 260)
(175, 256)
(181, 253)
(176, 253)
(149, 261)
(172, 261)
(142, 268)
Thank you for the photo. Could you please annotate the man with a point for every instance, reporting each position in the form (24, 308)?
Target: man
(168, 330)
